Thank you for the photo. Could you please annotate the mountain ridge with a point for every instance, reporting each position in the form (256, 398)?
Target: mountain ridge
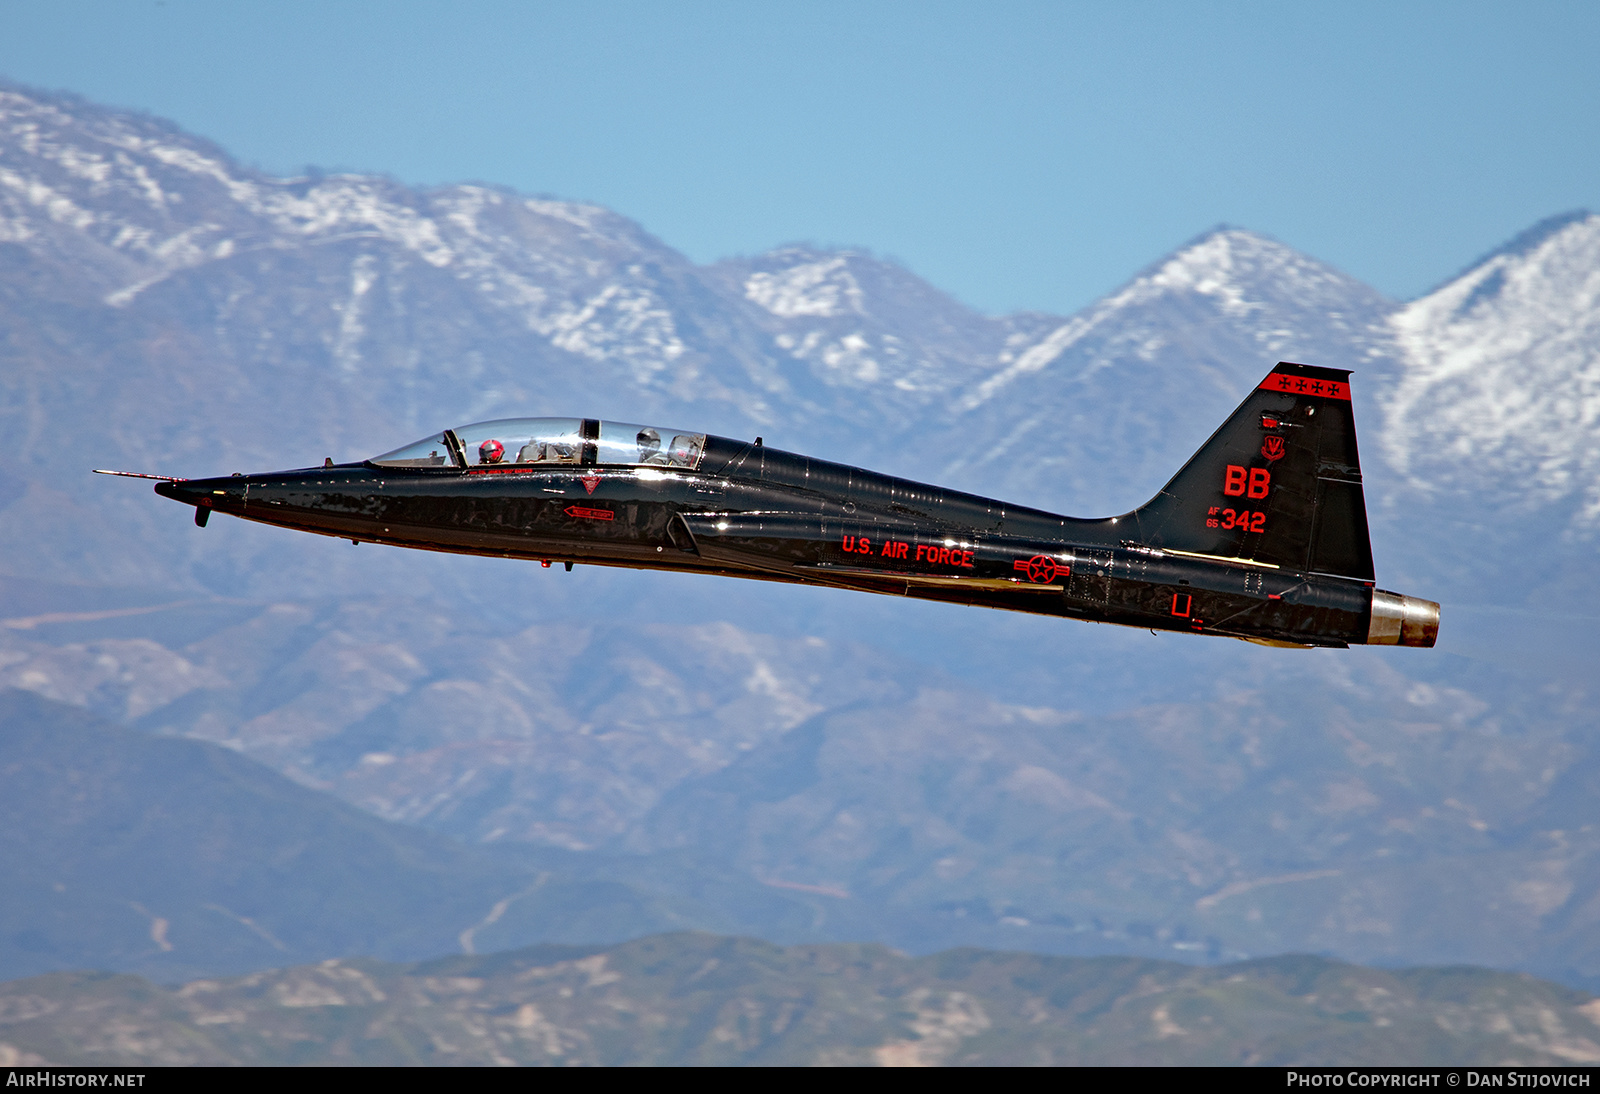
(692, 999)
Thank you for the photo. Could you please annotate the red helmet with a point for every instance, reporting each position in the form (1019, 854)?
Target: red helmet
(491, 451)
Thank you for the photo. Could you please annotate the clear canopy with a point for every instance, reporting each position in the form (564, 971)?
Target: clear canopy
(573, 441)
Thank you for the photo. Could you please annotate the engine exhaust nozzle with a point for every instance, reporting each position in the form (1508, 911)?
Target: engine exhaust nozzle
(1402, 620)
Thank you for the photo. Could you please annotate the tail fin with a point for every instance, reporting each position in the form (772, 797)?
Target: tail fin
(1279, 483)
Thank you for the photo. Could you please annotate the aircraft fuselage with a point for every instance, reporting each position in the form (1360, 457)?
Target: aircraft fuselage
(751, 511)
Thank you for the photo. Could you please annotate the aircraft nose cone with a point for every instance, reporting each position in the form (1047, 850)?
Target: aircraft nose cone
(178, 491)
(210, 493)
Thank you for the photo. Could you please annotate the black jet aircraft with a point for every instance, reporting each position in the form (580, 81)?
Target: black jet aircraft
(1261, 536)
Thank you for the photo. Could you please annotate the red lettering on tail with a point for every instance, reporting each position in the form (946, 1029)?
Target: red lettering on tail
(1233, 482)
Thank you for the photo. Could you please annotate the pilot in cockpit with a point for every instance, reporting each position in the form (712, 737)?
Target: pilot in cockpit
(685, 451)
(650, 447)
(491, 451)
(537, 451)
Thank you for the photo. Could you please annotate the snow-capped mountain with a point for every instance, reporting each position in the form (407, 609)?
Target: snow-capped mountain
(1096, 414)
(1500, 380)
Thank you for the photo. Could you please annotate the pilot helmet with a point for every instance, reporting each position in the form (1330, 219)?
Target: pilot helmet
(491, 451)
(649, 443)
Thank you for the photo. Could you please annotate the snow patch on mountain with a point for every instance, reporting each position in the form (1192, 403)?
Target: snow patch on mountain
(1500, 388)
(823, 289)
(1209, 268)
(587, 217)
(150, 202)
(622, 320)
(1246, 279)
(1032, 359)
(1232, 267)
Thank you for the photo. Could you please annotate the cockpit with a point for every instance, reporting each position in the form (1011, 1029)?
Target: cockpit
(581, 442)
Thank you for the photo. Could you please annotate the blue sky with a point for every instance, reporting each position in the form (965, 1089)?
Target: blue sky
(1018, 155)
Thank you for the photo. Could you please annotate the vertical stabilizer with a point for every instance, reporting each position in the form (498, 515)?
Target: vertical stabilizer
(1279, 483)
